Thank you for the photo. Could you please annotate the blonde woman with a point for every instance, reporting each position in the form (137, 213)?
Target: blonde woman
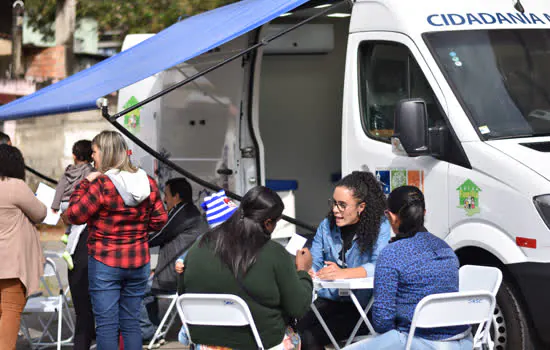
(121, 204)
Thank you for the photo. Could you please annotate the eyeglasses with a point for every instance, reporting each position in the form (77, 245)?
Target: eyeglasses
(340, 205)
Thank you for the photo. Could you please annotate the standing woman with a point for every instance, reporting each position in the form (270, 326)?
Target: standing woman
(346, 245)
(20, 251)
(120, 204)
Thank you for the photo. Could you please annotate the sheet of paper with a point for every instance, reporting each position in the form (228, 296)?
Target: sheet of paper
(296, 242)
(45, 194)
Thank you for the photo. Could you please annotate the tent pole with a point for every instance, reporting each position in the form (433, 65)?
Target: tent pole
(187, 174)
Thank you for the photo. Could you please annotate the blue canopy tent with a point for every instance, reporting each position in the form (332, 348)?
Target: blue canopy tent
(176, 44)
(196, 35)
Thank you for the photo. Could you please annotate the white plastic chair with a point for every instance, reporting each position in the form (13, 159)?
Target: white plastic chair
(452, 309)
(475, 278)
(53, 304)
(167, 321)
(216, 310)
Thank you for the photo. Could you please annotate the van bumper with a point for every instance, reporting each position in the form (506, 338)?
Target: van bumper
(534, 283)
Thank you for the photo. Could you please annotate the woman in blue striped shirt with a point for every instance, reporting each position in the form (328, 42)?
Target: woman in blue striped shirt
(415, 264)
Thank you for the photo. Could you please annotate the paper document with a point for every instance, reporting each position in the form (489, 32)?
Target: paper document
(45, 194)
(296, 242)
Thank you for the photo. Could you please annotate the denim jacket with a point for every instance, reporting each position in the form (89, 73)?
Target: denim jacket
(327, 245)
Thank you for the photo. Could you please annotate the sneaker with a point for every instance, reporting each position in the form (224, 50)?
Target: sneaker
(65, 239)
(69, 259)
(146, 344)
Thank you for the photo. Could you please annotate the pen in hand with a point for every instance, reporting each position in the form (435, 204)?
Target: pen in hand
(304, 261)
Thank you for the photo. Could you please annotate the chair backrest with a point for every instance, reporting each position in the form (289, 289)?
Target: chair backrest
(475, 278)
(452, 309)
(216, 310)
(50, 272)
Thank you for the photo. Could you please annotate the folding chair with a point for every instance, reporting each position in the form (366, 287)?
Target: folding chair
(475, 278)
(57, 255)
(54, 305)
(167, 321)
(452, 309)
(215, 310)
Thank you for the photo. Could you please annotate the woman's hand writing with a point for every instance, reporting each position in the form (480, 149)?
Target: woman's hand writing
(304, 261)
(331, 271)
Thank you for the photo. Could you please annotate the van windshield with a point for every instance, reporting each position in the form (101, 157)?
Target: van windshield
(501, 77)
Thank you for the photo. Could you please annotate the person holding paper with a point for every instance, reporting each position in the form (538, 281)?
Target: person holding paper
(238, 257)
(20, 251)
(346, 245)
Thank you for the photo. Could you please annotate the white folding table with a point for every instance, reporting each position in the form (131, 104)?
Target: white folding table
(346, 285)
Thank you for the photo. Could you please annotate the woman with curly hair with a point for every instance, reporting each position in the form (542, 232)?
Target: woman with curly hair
(346, 245)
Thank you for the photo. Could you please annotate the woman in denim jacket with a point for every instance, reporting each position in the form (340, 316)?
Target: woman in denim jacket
(346, 245)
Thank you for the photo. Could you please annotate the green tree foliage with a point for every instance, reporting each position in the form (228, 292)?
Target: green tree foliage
(126, 16)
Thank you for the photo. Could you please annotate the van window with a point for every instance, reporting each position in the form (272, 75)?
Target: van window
(389, 73)
(500, 77)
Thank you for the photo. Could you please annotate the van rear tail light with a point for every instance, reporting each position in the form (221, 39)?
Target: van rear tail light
(526, 242)
(543, 206)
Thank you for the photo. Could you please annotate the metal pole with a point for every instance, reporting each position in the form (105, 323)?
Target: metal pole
(18, 9)
(184, 172)
(40, 175)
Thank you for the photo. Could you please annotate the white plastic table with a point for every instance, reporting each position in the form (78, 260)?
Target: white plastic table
(346, 285)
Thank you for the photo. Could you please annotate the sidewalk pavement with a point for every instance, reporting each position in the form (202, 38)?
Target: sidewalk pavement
(51, 243)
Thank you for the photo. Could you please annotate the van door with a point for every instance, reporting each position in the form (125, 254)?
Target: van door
(199, 123)
(382, 69)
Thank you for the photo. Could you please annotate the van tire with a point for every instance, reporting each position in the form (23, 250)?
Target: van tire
(515, 327)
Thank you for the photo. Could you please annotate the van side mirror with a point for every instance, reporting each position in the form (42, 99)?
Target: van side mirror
(410, 133)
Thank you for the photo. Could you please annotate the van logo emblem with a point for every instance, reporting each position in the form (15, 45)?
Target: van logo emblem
(468, 195)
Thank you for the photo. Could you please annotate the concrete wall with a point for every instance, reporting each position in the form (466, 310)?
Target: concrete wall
(300, 122)
(46, 142)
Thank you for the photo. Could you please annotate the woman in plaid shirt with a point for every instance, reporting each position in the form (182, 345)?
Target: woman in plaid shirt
(120, 204)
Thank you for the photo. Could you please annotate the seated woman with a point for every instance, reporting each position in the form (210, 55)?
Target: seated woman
(414, 265)
(238, 257)
(346, 245)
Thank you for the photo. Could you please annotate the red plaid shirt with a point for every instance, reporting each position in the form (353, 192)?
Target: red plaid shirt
(117, 233)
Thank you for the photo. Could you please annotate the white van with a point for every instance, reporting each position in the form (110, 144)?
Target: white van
(464, 87)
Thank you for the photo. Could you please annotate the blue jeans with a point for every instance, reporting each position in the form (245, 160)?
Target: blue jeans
(116, 295)
(395, 340)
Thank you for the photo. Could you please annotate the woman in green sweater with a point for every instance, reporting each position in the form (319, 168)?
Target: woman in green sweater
(239, 257)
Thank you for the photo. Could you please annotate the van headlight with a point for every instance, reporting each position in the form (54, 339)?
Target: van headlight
(543, 206)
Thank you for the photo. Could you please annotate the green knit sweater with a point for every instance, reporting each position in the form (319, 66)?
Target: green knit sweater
(278, 290)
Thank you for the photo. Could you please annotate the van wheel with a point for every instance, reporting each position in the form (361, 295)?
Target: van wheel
(510, 330)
